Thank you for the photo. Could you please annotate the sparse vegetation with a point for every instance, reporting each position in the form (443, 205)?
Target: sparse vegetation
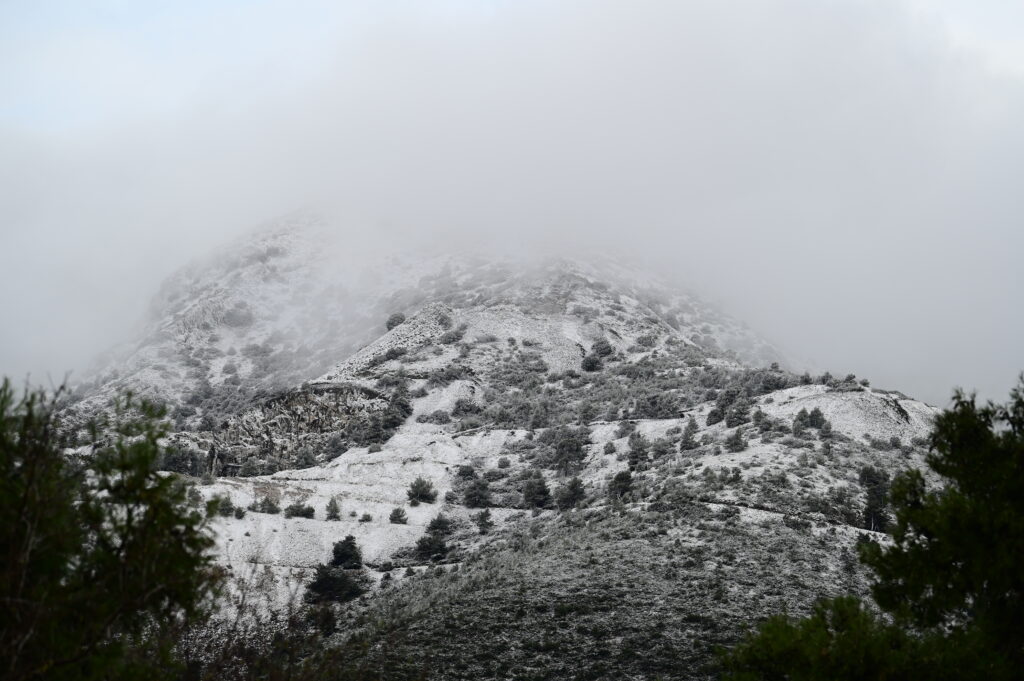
(298, 510)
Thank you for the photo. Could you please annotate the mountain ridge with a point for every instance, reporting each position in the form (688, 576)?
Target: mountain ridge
(499, 384)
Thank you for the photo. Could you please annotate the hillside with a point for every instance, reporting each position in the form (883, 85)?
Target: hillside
(715, 487)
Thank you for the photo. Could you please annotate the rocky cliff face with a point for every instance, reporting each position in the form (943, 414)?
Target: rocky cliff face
(504, 385)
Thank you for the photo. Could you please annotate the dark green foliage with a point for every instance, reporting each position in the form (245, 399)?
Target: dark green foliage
(102, 559)
(483, 521)
(601, 348)
(378, 427)
(346, 554)
(620, 485)
(432, 545)
(591, 363)
(452, 336)
(876, 487)
(569, 453)
(333, 511)
(536, 493)
(955, 559)
(570, 494)
(298, 510)
(638, 449)
(716, 415)
(398, 517)
(951, 579)
(445, 375)
(441, 525)
(841, 641)
(438, 416)
(223, 506)
(421, 491)
(464, 407)
(477, 494)
(657, 405)
(265, 505)
(735, 442)
(334, 585)
(185, 461)
(304, 458)
(688, 442)
(816, 419)
(647, 341)
(395, 319)
(737, 414)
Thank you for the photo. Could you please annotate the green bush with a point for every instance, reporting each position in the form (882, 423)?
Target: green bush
(394, 320)
(333, 511)
(477, 494)
(620, 485)
(431, 546)
(398, 517)
(591, 363)
(334, 585)
(601, 348)
(735, 442)
(441, 525)
(570, 494)
(265, 505)
(483, 521)
(346, 554)
(421, 491)
(536, 493)
(298, 510)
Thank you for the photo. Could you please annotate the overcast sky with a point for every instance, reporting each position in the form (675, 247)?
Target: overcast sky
(845, 175)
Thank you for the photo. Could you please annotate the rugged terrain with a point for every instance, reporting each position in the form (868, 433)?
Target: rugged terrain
(502, 382)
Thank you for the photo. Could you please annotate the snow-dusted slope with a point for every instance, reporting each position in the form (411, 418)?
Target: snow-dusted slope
(286, 386)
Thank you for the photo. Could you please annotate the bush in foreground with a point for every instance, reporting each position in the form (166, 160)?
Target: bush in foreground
(950, 580)
(103, 560)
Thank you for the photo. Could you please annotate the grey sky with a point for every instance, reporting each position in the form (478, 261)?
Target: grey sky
(844, 175)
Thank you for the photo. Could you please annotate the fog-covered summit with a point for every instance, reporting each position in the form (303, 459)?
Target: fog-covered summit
(288, 303)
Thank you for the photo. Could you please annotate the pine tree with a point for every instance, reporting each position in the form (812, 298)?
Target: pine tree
(346, 554)
(816, 419)
(103, 559)
(333, 510)
(688, 441)
(483, 521)
(620, 485)
(421, 491)
(536, 493)
(570, 494)
(477, 494)
(950, 580)
(637, 451)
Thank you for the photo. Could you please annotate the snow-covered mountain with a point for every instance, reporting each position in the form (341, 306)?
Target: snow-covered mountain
(501, 381)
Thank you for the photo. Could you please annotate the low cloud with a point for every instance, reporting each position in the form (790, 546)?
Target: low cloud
(838, 174)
